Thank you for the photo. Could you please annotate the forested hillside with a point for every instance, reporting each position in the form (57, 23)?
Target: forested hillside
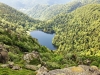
(45, 12)
(77, 33)
(15, 17)
(13, 27)
(89, 1)
(77, 36)
(15, 40)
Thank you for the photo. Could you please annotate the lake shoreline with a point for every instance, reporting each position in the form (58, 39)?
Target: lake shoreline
(45, 39)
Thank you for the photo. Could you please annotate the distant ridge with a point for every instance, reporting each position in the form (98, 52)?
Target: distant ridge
(43, 12)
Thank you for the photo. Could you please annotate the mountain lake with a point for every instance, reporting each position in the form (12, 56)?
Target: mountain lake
(44, 39)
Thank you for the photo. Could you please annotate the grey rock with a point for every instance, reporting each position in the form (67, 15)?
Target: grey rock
(10, 64)
(42, 71)
(4, 65)
(31, 67)
(16, 67)
(30, 56)
(3, 55)
(80, 70)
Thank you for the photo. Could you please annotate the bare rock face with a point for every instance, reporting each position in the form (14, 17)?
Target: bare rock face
(30, 56)
(80, 70)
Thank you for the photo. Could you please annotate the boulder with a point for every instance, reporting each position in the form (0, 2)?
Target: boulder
(4, 65)
(94, 67)
(42, 71)
(10, 64)
(79, 70)
(30, 56)
(16, 67)
(31, 67)
(3, 55)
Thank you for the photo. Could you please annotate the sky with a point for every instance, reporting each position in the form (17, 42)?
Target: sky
(26, 3)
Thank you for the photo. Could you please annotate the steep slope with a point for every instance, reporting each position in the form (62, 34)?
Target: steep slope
(77, 38)
(15, 39)
(78, 33)
(11, 15)
(13, 27)
(38, 9)
(45, 12)
(53, 10)
(89, 1)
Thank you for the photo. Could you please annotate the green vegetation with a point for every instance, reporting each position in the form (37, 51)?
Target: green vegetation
(77, 35)
(47, 12)
(89, 1)
(13, 27)
(14, 38)
(15, 18)
(77, 38)
(7, 71)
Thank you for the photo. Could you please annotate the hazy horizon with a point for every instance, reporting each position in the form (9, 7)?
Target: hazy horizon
(26, 3)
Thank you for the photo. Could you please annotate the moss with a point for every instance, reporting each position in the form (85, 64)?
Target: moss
(77, 69)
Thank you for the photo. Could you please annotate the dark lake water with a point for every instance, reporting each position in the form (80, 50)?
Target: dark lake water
(44, 39)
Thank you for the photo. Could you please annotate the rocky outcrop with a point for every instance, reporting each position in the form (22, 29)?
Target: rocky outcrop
(11, 65)
(3, 55)
(80, 70)
(30, 56)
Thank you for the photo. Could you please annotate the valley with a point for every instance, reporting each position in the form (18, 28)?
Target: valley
(47, 12)
(74, 31)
